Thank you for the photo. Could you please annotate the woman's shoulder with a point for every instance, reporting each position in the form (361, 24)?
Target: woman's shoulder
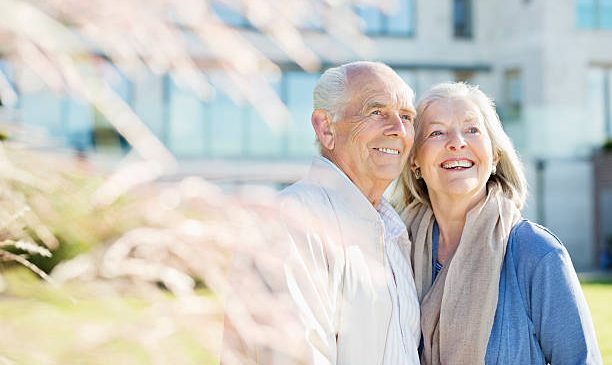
(530, 242)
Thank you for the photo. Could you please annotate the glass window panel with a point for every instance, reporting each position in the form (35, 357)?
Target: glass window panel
(79, 124)
(585, 14)
(7, 75)
(313, 21)
(186, 123)
(4, 68)
(401, 21)
(464, 76)
(301, 137)
(608, 103)
(372, 18)
(105, 135)
(42, 108)
(117, 81)
(228, 15)
(226, 127)
(605, 14)
(513, 99)
(599, 101)
(595, 96)
(148, 102)
(262, 141)
(462, 18)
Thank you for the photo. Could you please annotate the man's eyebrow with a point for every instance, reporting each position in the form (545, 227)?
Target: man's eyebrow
(409, 110)
(373, 105)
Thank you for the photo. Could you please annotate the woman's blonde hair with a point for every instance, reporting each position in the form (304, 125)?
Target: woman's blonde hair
(510, 173)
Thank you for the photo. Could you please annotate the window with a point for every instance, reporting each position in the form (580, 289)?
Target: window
(298, 88)
(78, 117)
(464, 76)
(599, 98)
(186, 130)
(398, 21)
(224, 128)
(190, 127)
(594, 14)
(39, 106)
(229, 15)
(148, 99)
(105, 136)
(513, 95)
(8, 94)
(262, 140)
(462, 18)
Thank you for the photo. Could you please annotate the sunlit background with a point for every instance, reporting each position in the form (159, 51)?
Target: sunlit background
(153, 92)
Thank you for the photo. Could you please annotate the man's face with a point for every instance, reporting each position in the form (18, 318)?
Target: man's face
(373, 137)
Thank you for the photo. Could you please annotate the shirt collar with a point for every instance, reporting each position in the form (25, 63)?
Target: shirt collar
(394, 226)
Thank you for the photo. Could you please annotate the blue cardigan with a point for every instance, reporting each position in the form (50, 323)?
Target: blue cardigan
(542, 316)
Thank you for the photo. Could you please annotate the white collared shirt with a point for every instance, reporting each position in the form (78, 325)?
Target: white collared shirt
(404, 330)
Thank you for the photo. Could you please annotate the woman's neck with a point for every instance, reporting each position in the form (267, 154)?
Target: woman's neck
(451, 215)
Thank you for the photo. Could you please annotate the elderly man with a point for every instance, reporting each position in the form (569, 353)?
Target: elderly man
(349, 272)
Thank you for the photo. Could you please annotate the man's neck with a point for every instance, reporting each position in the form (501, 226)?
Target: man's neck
(373, 193)
(372, 190)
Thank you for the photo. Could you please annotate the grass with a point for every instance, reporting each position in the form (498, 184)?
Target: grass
(85, 325)
(43, 325)
(599, 297)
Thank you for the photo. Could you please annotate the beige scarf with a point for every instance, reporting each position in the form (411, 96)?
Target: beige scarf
(457, 312)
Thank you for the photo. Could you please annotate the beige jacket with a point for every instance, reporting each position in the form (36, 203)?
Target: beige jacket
(336, 273)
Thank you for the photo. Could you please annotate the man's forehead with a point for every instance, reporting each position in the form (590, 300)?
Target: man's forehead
(379, 80)
(396, 95)
(365, 73)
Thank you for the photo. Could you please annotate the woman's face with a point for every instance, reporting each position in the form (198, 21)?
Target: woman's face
(454, 152)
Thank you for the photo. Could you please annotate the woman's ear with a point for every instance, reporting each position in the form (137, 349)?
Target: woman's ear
(413, 165)
(324, 128)
(496, 158)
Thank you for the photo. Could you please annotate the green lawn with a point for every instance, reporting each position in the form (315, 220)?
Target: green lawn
(41, 325)
(599, 297)
(90, 324)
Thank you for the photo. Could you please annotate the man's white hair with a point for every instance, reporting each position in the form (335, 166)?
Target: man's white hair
(332, 93)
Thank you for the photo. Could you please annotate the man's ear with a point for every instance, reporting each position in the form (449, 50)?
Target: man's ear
(324, 128)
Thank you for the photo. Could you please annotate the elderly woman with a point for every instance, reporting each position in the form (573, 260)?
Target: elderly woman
(494, 288)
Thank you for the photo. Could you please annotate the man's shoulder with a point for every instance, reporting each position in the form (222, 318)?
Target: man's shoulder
(304, 193)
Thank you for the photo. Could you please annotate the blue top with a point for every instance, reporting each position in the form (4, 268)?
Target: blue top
(542, 316)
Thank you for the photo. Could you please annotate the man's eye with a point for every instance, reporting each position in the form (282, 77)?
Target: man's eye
(435, 133)
(407, 117)
(376, 112)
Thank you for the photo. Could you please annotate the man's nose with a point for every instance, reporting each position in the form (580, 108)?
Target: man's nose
(456, 141)
(395, 126)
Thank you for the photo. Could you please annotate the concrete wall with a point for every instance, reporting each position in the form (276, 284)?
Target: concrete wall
(567, 197)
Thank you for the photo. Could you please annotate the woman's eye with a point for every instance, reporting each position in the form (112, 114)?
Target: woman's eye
(473, 130)
(407, 117)
(435, 133)
(376, 112)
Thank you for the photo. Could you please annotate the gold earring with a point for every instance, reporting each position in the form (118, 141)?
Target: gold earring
(417, 173)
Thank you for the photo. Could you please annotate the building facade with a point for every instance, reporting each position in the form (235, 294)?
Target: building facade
(548, 65)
